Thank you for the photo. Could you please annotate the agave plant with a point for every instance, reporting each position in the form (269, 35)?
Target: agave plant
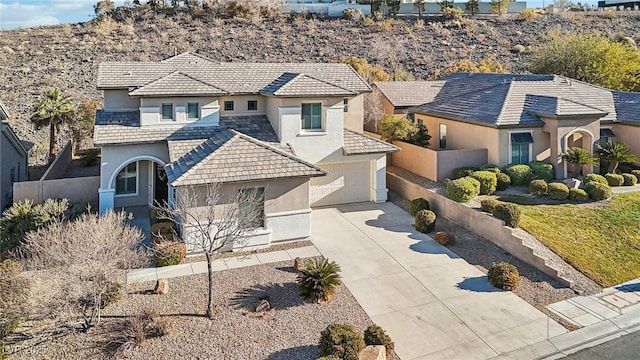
(616, 153)
(318, 279)
(580, 157)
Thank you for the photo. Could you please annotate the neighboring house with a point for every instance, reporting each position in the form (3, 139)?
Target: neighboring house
(13, 160)
(520, 118)
(398, 97)
(293, 130)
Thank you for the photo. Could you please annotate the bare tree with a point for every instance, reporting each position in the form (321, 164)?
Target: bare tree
(373, 110)
(85, 260)
(214, 218)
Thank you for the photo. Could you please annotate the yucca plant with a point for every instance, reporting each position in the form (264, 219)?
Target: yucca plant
(580, 157)
(616, 153)
(318, 279)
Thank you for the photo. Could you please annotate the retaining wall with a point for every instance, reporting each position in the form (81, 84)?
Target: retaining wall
(76, 190)
(59, 166)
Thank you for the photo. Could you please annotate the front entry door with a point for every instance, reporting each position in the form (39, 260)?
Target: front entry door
(160, 186)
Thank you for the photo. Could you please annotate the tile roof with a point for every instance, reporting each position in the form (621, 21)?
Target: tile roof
(627, 106)
(294, 84)
(409, 93)
(235, 78)
(557, 106)
(177, 84)
(358, 144)
(229, 156)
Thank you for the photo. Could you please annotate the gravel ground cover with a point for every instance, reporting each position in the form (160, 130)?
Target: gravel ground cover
(277, 247)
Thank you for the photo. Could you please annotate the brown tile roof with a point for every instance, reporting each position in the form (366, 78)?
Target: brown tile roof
(293, 84)
(177, 84)
(409, 93)
(230, 156)
(359, 144)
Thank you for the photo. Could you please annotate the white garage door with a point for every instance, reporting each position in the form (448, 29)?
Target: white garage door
(344, 183)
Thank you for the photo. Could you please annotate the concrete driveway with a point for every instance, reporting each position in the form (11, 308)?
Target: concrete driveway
(432, 303)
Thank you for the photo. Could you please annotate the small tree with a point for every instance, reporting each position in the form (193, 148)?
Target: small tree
(395, 128)
(499, 6)
(486, 66)
(419, 5)
(580, 157)
(104, 7)
(211, 221)
(615, 153)
(52, 109)
(419, 136)
(369, 72)
(472, 7)
(373, 110)
(82, 126)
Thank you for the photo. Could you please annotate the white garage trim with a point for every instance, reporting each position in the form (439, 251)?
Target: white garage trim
(347, 182)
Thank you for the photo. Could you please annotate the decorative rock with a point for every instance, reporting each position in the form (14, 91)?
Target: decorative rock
(373, 352)
(162, 287)
(572, 183)
(296, 264)
(263, 305)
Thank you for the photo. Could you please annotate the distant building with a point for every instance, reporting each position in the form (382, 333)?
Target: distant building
(627, 4)
(13, 160)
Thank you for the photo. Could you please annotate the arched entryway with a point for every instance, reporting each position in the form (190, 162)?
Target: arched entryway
(578, 138)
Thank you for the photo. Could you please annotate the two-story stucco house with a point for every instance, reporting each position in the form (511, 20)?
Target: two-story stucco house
(294, 130)
(13, 160)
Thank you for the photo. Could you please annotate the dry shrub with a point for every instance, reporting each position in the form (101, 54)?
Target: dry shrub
(444, 238)
(133, 331)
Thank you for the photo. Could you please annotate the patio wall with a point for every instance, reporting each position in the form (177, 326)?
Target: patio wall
(477, 221)
(76, 190)
(58, 167)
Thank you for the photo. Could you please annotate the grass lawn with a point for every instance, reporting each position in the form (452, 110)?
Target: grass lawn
(603, 242)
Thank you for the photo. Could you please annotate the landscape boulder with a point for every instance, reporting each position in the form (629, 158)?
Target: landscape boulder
(373, 352)
(162, 287)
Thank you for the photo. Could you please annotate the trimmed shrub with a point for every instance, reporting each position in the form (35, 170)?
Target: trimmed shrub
(520, 174)
(342, 341)
(541, 170)
(488, 181)
(538, 187)
(614, 179)
(578, 195)
(595, 178)
(418, 204)
(462, 172)
(490, 167)
(318, 279)
(503, 181)
(509, 213)
(166, 253)
(443, 238)
(425, 221)
(504, 276)
(558, 191)
(636, 173)
(487, 205)
(463, 189)
(629, 179)
(598, 191)
(375, 335)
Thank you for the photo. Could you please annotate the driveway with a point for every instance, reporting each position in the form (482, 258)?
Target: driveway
(432, 303)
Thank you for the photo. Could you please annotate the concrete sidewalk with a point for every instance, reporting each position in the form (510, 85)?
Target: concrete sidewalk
(432, 303)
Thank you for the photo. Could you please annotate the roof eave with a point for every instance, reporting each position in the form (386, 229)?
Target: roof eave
(454, 118)
(592, 116)
(324, 173)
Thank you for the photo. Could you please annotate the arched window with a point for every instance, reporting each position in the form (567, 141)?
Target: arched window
(127, 180)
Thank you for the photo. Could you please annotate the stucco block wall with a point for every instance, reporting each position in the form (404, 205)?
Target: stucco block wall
(354, 115)
(114, 158)
(59, 166)
(120, 100)
(629, 135)
(151, 110)
(10, 159)
(240, 105)
(76, 190)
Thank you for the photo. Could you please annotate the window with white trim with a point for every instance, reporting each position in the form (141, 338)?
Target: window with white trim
(167, 111)
(127, 180)
(312, 116)
(521, 147)
(228, 105)
(252, 105)
(193, 110)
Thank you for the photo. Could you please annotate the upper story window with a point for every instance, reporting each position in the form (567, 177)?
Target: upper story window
(127, 180)
(193, 110)
(167, 111)
(228, 105)
(252, 105)
(312, 116)
(345, 102)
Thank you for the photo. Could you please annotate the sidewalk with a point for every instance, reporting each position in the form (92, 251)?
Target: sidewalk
(166, 272)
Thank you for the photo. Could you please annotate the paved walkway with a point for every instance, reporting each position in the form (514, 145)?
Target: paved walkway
(625, 189)
(153, 274)
(433, 304)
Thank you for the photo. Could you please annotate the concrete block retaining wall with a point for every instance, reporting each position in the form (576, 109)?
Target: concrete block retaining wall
(477, 221)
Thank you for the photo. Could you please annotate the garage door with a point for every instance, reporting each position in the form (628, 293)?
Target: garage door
(344, 183)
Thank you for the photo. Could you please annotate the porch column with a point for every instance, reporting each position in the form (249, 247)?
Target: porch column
(106, 197)
(379, 191)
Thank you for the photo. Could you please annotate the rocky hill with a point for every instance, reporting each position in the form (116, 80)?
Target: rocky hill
(67, 56)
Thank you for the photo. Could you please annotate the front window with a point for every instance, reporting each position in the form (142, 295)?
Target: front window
(193, 111)
(251, 211)
(311, 116)
(606, 135)
(521, 148)
(228, 106)
(443, 136)
(126, 181)
(252, 105)
(167, 111)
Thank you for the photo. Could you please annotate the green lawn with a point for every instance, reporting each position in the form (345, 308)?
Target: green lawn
(603, 242)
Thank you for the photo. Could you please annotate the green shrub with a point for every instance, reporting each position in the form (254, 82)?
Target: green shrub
(558, 191)
(418, 204)
(342, 341)
(490, 167)
(636, 173)
(166, 253)
(578, 195)
(595, 178)
(488, 181)
(425, 221)
(375, 335)
(318, 279)
(629, 179)
(394, 128)
(462, 172)
(509, 213)
(598, 191)
(463, 189)
(503, 181)
(538, 187)
(614, 179)
(504, 276)
(452, 13)
(541, 170)
(487, 205)
(520, 174)
(89, 157)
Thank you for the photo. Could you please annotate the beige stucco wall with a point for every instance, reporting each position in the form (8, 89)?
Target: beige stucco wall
(116, 157)
(142, 195)
(76, 190)
(120, 100)
(629, 135)
(539, 149)
(354, 116)
(240, 105)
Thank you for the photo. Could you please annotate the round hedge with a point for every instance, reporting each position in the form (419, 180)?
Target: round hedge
(558, 191)
(504, 276)
(614, 179)
(598, 191)
(541, 170)
(538, 187)
(166, 253)
(488, 181)
(342, 341)
(443, 238)
(487, 205)
(503, 181)
(636, 173)
(578, 195)
(490, 167)
(520, 174)
(595, 178)
(463, 189)
(509, 213)
(425, 221)
(375, 335)
(629, 179)
(418, 204)
(462, 172)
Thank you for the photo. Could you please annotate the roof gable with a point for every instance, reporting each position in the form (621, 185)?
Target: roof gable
(409, 93)
(558, 106)
(294, 84)
(178, 84)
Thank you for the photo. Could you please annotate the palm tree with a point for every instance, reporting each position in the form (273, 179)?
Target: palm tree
(52, 109)
(580, 157)
(616, 152)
